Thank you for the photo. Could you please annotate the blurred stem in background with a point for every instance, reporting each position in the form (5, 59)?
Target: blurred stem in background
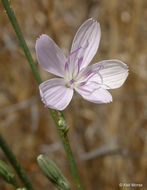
(12, 159)
(7, 174)
(57, 116)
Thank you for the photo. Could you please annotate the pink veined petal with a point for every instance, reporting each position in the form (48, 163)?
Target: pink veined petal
(50, 56)
(94, 93)
(114, 73)
(55, 94)
(109, 74)
(85, 43)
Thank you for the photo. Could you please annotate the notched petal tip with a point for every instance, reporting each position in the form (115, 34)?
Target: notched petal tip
(107, 97)
(41, 37)
(111, 100)
(91, 19)
(93, 22)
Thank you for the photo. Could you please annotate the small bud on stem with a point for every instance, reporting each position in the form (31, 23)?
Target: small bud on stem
(6, 174)
(53, 173)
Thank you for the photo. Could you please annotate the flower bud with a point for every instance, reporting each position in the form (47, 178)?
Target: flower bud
(53, 173)
(6, 173)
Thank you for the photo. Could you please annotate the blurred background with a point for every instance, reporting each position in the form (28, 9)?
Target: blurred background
(109, 141)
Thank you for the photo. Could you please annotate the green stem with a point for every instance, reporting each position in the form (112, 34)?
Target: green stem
(12, 159)
(61, 131)
(19, 34)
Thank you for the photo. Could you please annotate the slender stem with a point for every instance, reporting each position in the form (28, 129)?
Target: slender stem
(62, 129)
(19, 34)
(12, 159)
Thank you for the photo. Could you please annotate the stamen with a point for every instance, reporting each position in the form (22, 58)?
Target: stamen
(91, 73)
(72, 81)
(68, 60)
(71, 70)
(66, 66)
(79, 64)
(74, 51)
(87, 43)
(80, 60)
(83, 83)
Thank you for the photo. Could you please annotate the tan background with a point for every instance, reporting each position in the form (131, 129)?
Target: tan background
(109, 140)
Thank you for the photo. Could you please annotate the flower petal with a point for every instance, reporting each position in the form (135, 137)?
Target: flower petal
(50, 56)
(86, 42)
(55, 94)
(109, 74)
(96, 95)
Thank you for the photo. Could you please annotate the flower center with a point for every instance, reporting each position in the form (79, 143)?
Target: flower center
(73, 65)
(82, 78)
(71, 84)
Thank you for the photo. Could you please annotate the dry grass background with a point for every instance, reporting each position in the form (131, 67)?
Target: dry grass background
(109, 141)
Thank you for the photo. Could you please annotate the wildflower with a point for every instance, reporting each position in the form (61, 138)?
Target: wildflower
(91, 82)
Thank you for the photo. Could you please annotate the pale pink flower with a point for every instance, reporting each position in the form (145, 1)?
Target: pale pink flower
(91, 82)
